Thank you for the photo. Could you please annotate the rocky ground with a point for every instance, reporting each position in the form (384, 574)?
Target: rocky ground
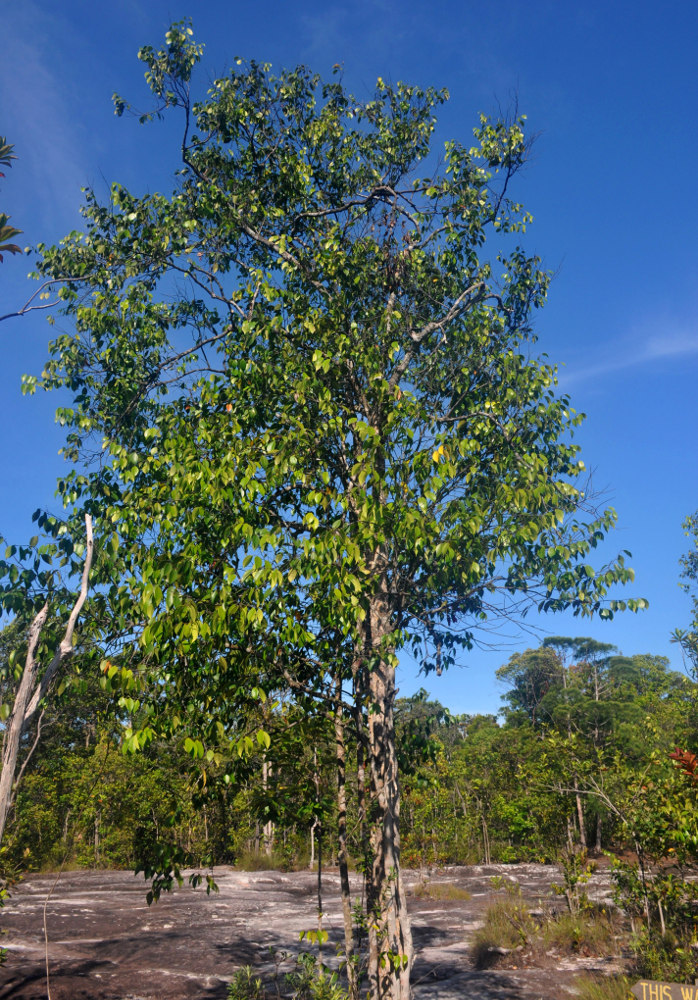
(105, 943)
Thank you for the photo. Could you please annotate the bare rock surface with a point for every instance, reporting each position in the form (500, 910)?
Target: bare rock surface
(105, 943)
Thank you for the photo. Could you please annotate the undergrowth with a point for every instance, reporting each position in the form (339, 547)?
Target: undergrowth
(669, 957)
(510, 928)
(309, 980)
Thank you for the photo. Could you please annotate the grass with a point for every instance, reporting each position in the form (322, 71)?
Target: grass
(440, 890)
(509, 926)
(249, 861)
(590, 932)
(602, 987)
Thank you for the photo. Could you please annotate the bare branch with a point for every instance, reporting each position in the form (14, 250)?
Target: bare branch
(28, 307)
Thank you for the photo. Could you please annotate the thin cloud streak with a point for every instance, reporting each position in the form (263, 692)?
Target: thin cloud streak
(39, 119)
(677, 344)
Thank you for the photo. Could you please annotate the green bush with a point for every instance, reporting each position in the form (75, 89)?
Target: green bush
(245, 986)
(259, 861)
(311, 980)
(666, 957)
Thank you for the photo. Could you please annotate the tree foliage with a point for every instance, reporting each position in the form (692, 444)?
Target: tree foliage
(322, 434)
(7, 232)
(688, 638)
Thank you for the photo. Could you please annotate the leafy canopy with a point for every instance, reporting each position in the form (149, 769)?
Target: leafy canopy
(307, 377)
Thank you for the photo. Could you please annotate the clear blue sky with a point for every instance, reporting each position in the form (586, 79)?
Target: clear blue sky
(611, 90)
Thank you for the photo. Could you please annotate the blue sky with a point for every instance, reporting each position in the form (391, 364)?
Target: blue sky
(610, 90)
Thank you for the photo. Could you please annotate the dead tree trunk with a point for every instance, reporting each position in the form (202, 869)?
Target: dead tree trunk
(35, 684)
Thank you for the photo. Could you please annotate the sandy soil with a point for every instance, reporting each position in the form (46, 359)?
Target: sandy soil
(105, 943)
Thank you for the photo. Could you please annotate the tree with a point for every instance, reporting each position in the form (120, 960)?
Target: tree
(7, 232)
(322, 435)
(533, 674)
(688, 638)
(29, 595)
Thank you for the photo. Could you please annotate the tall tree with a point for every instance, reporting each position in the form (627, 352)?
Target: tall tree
(688, 638)
(534, 675)
(322, 434)
(7, 232)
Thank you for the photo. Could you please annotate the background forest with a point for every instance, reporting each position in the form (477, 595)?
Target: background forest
(580, 759)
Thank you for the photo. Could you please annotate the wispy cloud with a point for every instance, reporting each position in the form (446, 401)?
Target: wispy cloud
(39, 115)
(334, 31)
(673, 342)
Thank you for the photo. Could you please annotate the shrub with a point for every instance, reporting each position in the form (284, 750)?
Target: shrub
(666, 957)
(259, 861)
(244, 986)
(311, 980)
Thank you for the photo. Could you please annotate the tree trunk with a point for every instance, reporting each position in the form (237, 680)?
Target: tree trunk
(390, 950)
(342, 849)
(17, 720)
(98, 816)
(268, 829)
(485, 837)
(35, 684)
(580, 816)
(311, 863)
(319, 894)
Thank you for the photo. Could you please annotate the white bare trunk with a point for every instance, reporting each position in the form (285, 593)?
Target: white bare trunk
(35, 683)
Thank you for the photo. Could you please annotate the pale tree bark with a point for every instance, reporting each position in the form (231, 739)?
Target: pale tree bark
(390, 950)
(580, 816)
(268, 830)
(342, 848)
(36, 682)
(311, 863)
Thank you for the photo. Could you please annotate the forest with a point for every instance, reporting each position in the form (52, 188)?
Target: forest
(306, 433)
(583, 765)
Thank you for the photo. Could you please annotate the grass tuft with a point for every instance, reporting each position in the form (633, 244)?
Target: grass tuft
(589, 932)
(250, 861)
(510, 927)
(602, 987)
(440, 890)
